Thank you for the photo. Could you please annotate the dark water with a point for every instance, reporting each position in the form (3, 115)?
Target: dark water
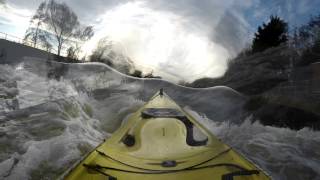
(51, 114)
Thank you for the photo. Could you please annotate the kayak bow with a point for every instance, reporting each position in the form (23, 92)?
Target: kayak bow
(162, 142)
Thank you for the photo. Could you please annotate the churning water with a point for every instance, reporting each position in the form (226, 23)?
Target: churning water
(51, 114)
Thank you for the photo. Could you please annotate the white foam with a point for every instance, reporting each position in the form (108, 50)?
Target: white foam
(61, 119)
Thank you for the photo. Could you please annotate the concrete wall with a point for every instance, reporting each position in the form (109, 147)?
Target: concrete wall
(11, 52)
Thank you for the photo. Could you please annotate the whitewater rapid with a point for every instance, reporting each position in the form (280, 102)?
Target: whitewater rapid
(51, 114)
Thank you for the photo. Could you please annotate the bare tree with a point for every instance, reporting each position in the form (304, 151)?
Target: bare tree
(106, 53)
(83, 34)
(57, 20)
(45, 41)
(73, 51)
(62, 21)
(102, 50)
(34, 32)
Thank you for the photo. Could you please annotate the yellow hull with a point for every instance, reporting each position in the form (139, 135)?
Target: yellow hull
(162, 142)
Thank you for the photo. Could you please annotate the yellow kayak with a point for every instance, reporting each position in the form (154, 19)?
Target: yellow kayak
(162, 142)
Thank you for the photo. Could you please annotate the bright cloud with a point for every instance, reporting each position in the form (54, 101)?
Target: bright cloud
(176, 39)
(15, 19)
(162, 42)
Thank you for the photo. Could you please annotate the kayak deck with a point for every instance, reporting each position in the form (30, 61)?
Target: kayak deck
(161, 141)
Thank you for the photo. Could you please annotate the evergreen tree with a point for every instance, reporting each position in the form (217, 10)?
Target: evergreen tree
(270, 35)
(309, 33)
(309, 42)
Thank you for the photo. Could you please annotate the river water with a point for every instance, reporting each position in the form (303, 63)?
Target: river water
(51, 114)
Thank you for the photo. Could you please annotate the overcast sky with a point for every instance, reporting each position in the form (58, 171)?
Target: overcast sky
(176, 39)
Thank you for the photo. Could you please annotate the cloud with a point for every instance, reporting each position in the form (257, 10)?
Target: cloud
(223, 21)
(180, 39)
(232, 32)
(88, 10)
(165, 41)
(15, 19)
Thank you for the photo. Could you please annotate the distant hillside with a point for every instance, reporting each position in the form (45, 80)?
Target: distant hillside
(258, 73)
(282, 90)
(253, 74)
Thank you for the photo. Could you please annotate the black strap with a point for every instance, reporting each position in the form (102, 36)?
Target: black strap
(239, 173)
(99, 168)
(161, 92)
(191, 167)
(229, 176)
